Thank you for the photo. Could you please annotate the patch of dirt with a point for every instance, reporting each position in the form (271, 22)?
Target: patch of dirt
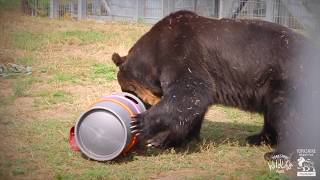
(5, 88)
(23, 109)
(92, 90)
(18, 161)
(56, 52)
(5, 57)
(180, 174)
(57, 112)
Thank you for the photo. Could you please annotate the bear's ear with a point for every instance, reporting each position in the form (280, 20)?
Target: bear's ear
(117, 59)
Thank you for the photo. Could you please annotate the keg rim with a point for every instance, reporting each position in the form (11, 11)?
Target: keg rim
(92, 155)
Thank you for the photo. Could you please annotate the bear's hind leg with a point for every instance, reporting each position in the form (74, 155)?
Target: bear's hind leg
(282, 116)
(268, 135)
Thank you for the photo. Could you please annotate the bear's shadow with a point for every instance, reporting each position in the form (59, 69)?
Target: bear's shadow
(212, 133)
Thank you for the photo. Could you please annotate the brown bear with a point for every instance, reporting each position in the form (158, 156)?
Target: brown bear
(186, 63)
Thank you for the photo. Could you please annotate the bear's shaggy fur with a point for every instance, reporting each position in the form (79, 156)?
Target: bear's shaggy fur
(186, 63)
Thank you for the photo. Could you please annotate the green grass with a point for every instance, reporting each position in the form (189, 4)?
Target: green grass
(50, 98)
(4, 101)
(9, 4)
(31, 41)
(241, 116)
(48, 140)
(80, 37)
(96, 173)
(272, 176)
(105, 71)
(63, 77)
(22, 84)
(27, 41)
(26, 60)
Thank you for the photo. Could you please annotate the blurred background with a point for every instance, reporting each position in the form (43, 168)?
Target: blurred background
(291, 13)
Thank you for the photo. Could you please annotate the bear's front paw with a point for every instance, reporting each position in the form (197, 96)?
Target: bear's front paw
(141, 126)
(159, 140)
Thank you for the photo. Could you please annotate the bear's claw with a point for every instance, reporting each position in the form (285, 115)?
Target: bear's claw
(152, 143)
(137, 126)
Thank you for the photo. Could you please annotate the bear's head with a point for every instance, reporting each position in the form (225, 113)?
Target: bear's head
(137, 77)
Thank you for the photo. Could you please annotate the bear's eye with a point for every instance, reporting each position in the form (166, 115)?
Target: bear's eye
(121, 68)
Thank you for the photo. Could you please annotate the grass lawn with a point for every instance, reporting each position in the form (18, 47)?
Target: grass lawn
(72, 67)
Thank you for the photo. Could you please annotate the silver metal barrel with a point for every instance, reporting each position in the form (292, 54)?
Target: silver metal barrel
(103, 132)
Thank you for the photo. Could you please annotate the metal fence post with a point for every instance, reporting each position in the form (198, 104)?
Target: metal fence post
(269, 10)
(54, 9)
(171, 6)
(136, 18)
(141, 6)
(225, 8)
(168, 7)
(163, 13)
(96, 8)
(82, 9)
(220, 14)
(215, 8)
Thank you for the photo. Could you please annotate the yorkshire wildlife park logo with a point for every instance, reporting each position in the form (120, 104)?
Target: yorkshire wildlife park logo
(305, 164)
(280, 163)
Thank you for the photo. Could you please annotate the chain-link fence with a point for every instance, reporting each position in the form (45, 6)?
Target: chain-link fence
(291, 13)
(36, 7)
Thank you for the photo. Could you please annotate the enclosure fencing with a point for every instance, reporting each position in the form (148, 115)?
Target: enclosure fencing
(291, 13)
(36, 7)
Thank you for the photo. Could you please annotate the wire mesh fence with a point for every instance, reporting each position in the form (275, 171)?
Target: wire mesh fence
(202, 7)
(66, 9)
(111, 9)
(287, 13)
(36, 7)
(282, 16)
(291, 13)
